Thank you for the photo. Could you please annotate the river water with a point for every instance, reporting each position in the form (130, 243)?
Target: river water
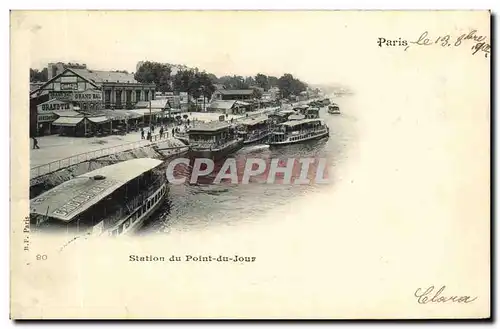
(200, 206)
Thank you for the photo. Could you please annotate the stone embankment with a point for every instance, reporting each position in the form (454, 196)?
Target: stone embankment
(43, 183)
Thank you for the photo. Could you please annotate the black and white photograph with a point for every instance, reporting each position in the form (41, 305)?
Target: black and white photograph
(250, 164)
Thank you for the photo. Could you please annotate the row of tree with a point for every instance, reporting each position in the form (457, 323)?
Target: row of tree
(197, 83)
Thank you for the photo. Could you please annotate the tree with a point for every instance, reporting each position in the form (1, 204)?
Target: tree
(194, 83)
(288, 85)
(234, 82)
(39, 76)
(249, 81)
(157, 73)
(257, 92)
(213, 78)
(273, 81)
(262, 81)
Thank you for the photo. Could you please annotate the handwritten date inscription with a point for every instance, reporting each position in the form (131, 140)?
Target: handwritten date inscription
(432, 296)
(479, 43)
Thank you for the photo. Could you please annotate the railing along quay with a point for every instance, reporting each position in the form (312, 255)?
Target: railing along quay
(82, 157)
(86, 156)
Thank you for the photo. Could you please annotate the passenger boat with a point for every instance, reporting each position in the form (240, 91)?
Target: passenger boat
(112, 200)
(326, 102)
(213, 140)
(182, 136)
(312, 113)
(333, 109)
(253, 130)
(297, 131)
(281, 116)
(296, 117)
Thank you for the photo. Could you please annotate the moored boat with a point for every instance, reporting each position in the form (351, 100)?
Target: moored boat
(333, 109)
(112, 200)
(254, 130)
(214, 140)
(298, 131)
(312, 113)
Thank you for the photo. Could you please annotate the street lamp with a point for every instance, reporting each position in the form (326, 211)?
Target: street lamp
(202, 88)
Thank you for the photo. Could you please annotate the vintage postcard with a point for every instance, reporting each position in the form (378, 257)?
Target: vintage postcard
(250, 164)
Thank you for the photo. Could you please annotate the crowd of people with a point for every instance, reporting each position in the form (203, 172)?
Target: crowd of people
(151, 131)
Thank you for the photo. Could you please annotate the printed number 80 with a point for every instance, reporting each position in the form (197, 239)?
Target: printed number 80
(41, 257)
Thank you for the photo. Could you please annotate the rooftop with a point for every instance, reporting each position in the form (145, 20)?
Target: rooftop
(300, 122)
(236, 91)
(100, 77)
(296, 117)
(209, 126)
(253, 121)
(221, 105)
(160, 103)
(71, 198)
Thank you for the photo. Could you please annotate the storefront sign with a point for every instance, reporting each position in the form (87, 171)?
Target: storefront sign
(87, 96)
(46, 117)
(66, 95)
(84, 96)
(53, 105)
(69, 86)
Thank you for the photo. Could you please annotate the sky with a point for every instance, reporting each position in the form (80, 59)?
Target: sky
(316, 47)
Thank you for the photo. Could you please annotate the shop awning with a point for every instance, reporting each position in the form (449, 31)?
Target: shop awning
(119, 114)
(146, 111)
(240, 103)
(67, 121)
(68, 113)
(98, 119)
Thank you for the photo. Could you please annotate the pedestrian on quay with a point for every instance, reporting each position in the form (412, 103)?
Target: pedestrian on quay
(149, 136)
(142, 133)
(173, 132)
(35, 143)
(161, 132)
(153, 129)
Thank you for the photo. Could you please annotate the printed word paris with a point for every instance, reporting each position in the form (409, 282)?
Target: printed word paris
(392, 43)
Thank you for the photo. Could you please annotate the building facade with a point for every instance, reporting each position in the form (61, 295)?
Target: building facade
(233, 94)
(85, 91)
(120, 90)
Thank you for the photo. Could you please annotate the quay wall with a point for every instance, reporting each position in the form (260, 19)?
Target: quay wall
(44, 183)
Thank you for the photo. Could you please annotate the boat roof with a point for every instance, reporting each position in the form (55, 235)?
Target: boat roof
(285, 112)
(300, 122)
(253, 121)
(296, 117)
(211, 126)
(71, 198)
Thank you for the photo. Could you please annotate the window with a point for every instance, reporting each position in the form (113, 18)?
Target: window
(137, 95)
(118, 97)
(144, 208)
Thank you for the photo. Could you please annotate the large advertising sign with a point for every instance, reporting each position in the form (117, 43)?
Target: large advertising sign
(88, 95)
(53, 105)
(83, 96)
